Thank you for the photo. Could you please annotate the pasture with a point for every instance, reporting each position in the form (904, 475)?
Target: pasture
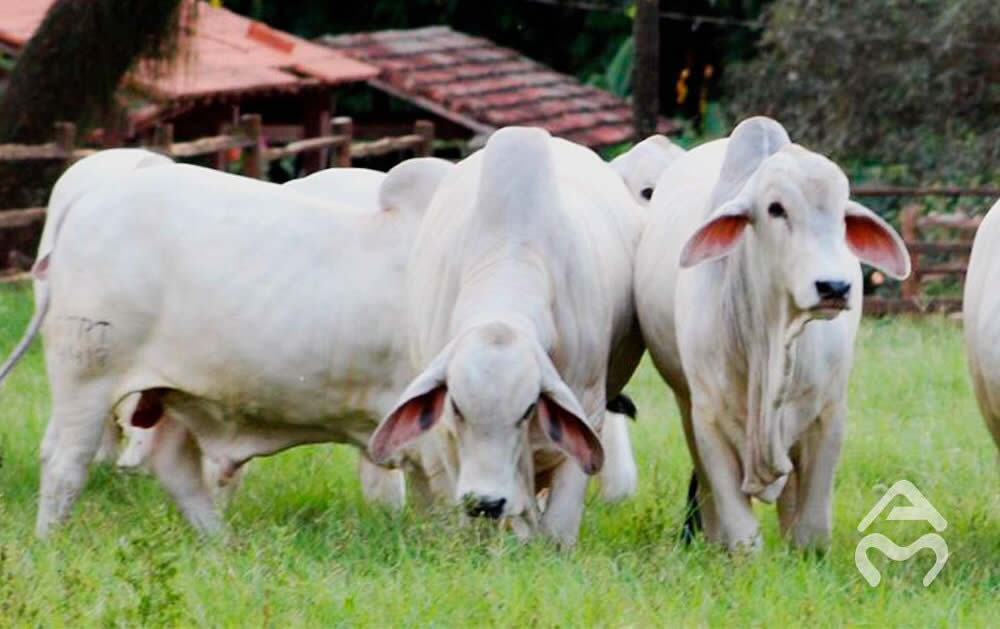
(305, 549)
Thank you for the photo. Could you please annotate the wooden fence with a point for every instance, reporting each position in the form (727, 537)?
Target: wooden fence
(246, 135)
(939, 246)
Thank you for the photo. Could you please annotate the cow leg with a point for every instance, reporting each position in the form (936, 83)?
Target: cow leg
(738, 525)
(618, 476)
(111, 441)
(176, 461)
(71, 440)
(703, 498)
(819, 451)
(564, 510)
(380, 484)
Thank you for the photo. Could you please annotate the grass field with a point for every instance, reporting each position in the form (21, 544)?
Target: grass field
(307, 551)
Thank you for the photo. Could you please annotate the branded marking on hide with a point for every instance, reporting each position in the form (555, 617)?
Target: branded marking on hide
(85, 342)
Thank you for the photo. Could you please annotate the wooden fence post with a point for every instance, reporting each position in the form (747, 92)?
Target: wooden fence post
(908, 218)
(251, 126)
(343, 125)
(65, 139)
(163, 138)
(425, 129)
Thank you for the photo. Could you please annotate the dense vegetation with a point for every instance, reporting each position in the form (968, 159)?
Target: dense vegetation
(911, 85)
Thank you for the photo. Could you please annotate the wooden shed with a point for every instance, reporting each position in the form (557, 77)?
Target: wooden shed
(232, 64)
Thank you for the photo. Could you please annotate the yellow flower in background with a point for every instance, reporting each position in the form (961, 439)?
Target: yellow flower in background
(681, 86)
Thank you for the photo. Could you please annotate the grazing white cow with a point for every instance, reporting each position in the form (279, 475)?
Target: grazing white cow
(253, 317)
(748, 290)
(522, 321)
(981, 318)
(642, 165)
(355, 188)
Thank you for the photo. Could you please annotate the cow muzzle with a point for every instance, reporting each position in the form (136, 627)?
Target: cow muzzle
(482, 506)
(833, 296)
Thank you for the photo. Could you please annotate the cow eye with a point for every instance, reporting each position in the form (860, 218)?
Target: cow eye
(458, 413)
(527, 414)
(647, 193)
(776, 210)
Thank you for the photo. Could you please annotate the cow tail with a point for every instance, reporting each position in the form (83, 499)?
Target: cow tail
(39, 271)
(692, 512)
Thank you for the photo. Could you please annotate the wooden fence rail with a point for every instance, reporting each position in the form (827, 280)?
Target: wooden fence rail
(245, 135)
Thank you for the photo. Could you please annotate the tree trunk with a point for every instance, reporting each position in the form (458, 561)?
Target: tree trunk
(69, 71)
(70, 68)
(646, 70)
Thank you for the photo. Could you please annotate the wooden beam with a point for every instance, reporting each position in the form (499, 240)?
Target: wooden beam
(646, 70)
(939, 191)
(20, 218)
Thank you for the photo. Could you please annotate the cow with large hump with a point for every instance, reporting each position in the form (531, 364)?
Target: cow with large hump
(522, 324)
(251, 317)
(981, 319)
(748, 291)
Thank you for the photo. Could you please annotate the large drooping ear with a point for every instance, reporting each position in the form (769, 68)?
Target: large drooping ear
(564, 422)
(875, 242)
(419, 408)
(717, 237)
(410, 186)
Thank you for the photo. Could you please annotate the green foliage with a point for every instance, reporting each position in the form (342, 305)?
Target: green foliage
(911, 84)
(306, 551)
(617, 78)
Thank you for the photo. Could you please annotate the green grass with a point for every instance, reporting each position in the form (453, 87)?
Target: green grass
(307, 551)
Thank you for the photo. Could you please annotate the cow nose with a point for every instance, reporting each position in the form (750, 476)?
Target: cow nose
(832, 289)
(476, 507)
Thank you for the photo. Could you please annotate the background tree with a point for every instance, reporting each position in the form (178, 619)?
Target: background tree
(69, 70)
(913, 84)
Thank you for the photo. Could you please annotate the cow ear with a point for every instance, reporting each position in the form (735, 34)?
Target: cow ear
(571, 433)
(419, 408)
(40, 269)
(562, 419)
(875, 242)
(717, 237)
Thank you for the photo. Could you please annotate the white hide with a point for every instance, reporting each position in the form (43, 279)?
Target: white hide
(641, 166)
(257, 318)
(354, 189)
(519, 293)
(981, 318)
(740, 232)
(351, 187)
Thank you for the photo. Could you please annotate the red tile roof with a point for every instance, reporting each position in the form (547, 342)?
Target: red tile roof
(483, 86)
(229, 54)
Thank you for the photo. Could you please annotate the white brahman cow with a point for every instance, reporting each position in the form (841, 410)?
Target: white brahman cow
(357, 188)
(642, 165)
(523, 323)
(981, 318)
(252, 316)
(748, 290)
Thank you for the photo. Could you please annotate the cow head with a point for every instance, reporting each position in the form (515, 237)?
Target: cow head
(793, 205)
(642, 165)
(491, 387)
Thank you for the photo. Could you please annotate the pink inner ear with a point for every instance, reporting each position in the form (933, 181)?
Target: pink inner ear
(407, 423)
(875, 246)
(565, 430)
(714, 239)
(41, 267)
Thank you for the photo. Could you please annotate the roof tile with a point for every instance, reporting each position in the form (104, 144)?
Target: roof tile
(485, 85)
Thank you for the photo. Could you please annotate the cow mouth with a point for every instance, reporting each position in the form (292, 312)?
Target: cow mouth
(830, 307)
